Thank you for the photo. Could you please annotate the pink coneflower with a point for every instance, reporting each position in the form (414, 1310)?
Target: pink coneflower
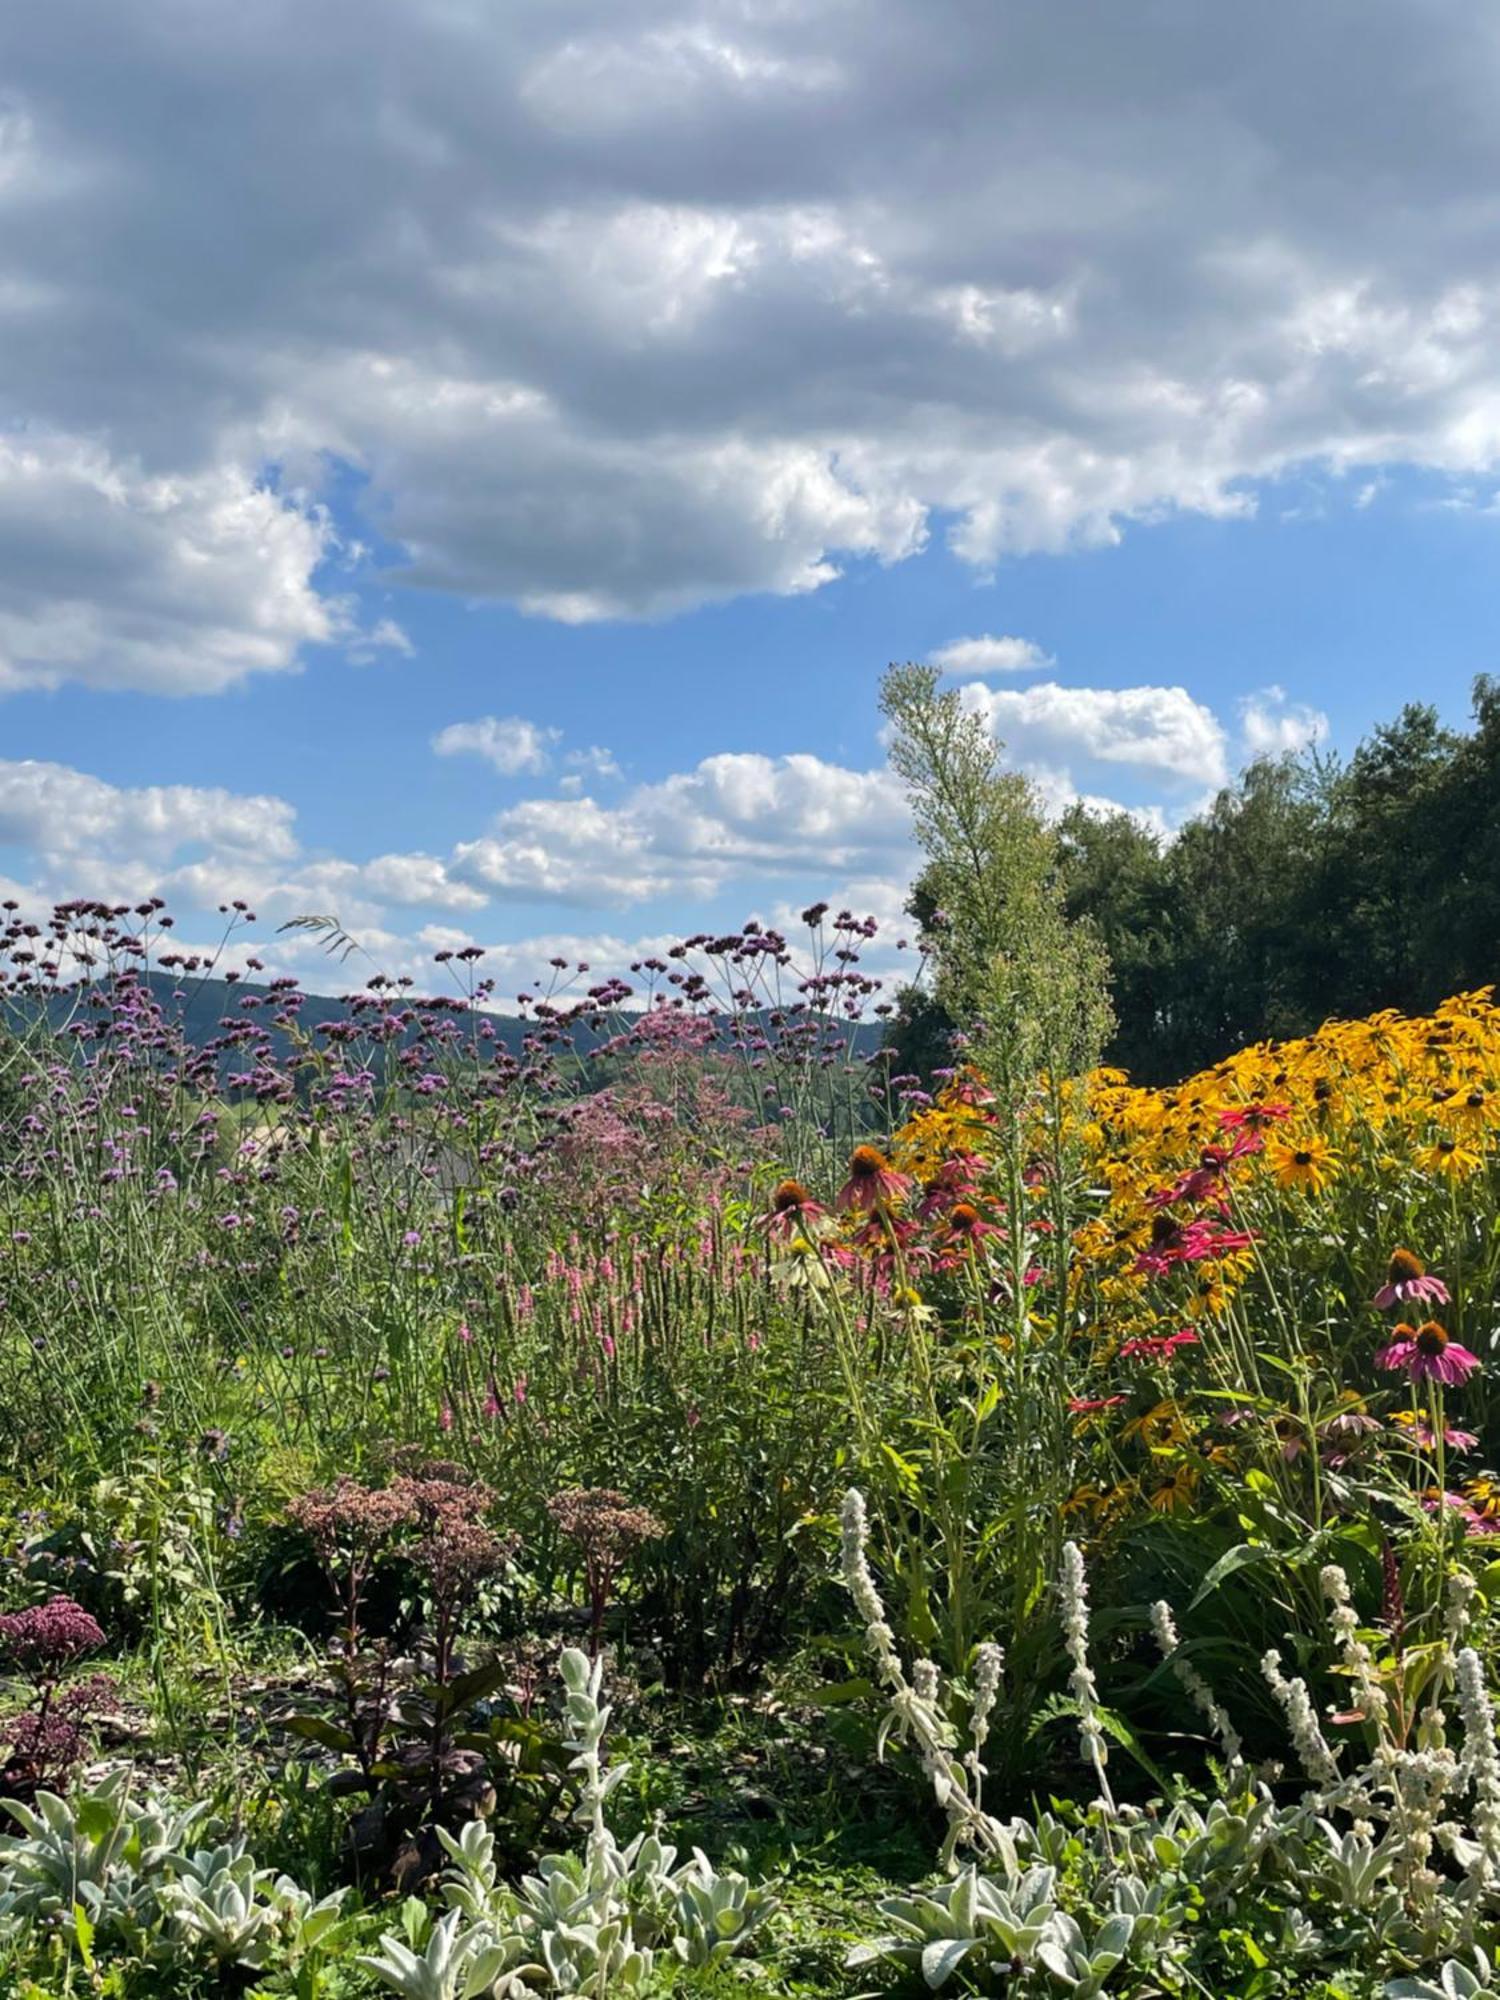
(966, 1225)
(873, 1182)
(1253, 1117)
(1474, 1522)
(792, 1210)
(1201, 1180)
(954, 1181)
(1412, 1424)
(1428, 1353)
(1340, 1438)
(1157, 1347)
(1407, 1277)
(1350, 1424)
(1187, 1243)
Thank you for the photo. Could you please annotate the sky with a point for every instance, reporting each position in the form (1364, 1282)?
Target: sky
(464, 466)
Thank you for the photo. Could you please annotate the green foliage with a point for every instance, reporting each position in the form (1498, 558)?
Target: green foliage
(1309, 889)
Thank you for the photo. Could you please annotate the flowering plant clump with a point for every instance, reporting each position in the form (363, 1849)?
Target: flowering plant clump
(606, 1530)
(1383, 1866)
(403, 1714)
(1255, 1198)
(49, 1737)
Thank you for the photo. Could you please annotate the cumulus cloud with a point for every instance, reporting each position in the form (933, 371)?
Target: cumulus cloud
(595, 760)
(1160, 731)
(739, 815)
(617, 309)
(172, 583)
(63, 815)
(991, 653)
(1271, 725)
(508, 742)
(737, 821)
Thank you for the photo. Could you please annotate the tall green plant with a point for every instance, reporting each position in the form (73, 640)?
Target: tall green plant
(1030, 986)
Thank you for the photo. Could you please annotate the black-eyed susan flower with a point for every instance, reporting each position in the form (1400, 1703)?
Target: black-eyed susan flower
(1448, 1156)
(1310, 1163)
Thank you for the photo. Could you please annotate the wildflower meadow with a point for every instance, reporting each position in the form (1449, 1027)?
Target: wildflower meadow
(634, 1490)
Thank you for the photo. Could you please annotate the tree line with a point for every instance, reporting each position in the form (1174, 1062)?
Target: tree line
(1312, 887)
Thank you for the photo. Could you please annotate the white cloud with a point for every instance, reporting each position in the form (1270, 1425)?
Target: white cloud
(650, 304)
(417, 879)
(989, 653)
(1271, 725)
(508, 742)
(384, 636)
(736, 816)
(1159, 731)
(595, 760)
(174, 584)
(63, 815)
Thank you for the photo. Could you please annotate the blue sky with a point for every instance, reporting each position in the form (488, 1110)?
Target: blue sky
(470, 476)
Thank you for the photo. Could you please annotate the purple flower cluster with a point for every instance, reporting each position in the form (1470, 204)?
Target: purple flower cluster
(45, 1638)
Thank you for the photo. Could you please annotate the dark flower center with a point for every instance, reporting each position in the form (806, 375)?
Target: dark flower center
(1403, 1267)
(1431, 1338)
(867, 1163)
(1302, 1159)
(790, 1195)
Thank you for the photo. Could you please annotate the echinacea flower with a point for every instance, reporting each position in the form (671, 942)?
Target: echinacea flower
(1253, 1117)
(966, 1225)
(1339, 1439)
(1427, 1353)
(1187, 1243)
(1407, 1277)
(1157, 1347)
(1350, 1424)
(873, 1182)
(1414, 1425)
(792, 1209)
(1213, 1163)
(1474, 1522)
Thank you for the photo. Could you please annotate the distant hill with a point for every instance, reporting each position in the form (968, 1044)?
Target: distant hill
(203, 1006)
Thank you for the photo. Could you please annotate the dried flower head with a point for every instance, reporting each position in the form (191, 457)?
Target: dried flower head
(603, 1522)
(348, 1517)
(607, 1530)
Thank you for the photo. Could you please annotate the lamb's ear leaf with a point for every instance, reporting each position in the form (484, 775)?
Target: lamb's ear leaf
(942, 1958)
